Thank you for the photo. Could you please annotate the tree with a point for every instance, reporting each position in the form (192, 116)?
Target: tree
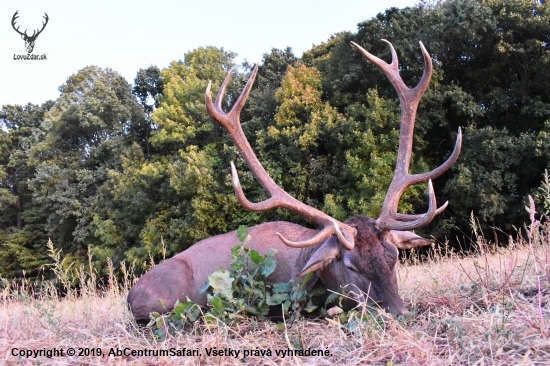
(488, 178)
(148, 86)
(93, 127)
(21, 221)
(181, 115)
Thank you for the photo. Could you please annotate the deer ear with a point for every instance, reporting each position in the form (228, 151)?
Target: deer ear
(328, 251)
(408, 240)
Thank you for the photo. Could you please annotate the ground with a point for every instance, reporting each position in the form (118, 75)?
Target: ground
(492, 307)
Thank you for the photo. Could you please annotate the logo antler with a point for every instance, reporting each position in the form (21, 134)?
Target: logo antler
(29, 40)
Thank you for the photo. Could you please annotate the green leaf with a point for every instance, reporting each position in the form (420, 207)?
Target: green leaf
(331, 298)
(255, 256)
(271, 253)
(242, 234)
(179, 307)
(154, 316)
(281, 287)
(259, 292)
(268, 266)
(306, 278)
(237, 253)
(310, 307)
(276, 299)
(237, 267)
(217, 305)
(221, 283)
(286, 306)
(252, 310)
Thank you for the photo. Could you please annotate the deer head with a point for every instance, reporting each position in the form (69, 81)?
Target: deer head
(366, 248)
(29, 40)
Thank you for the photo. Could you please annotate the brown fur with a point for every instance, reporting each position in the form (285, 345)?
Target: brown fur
(368, 268)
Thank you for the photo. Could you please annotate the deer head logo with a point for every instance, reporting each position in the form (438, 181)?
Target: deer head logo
(29, 40)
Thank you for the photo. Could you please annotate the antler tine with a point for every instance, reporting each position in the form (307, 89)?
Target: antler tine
(428, 70)
(13, 19)
(43, 25)
(321, 236)
(274, 202)
(221, 92)
(390, 69)
(279, 198)
(389, 218)
(251, 206)
(407, 217)
(388, 222)
(239, 104)
(229, 120)
(379, 62)
(422, 177)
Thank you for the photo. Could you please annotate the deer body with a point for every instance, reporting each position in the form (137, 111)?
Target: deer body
(185, 274)
(357, 257)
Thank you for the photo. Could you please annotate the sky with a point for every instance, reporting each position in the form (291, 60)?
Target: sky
(129, 35)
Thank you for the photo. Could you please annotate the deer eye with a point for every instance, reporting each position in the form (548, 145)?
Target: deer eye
(349, 265)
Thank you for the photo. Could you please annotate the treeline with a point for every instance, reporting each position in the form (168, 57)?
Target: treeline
(115, 170)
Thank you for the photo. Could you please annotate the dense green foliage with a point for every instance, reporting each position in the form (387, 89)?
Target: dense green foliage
(116, 170)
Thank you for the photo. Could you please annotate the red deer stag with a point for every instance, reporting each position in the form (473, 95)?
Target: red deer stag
(360, 252)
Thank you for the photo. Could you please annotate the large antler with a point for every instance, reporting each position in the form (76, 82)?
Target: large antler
(389, 218)
(279, 198)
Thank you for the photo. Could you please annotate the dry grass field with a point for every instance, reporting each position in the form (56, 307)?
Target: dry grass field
(492, 308)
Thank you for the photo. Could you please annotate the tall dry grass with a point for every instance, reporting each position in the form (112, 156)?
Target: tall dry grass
(491, 308)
